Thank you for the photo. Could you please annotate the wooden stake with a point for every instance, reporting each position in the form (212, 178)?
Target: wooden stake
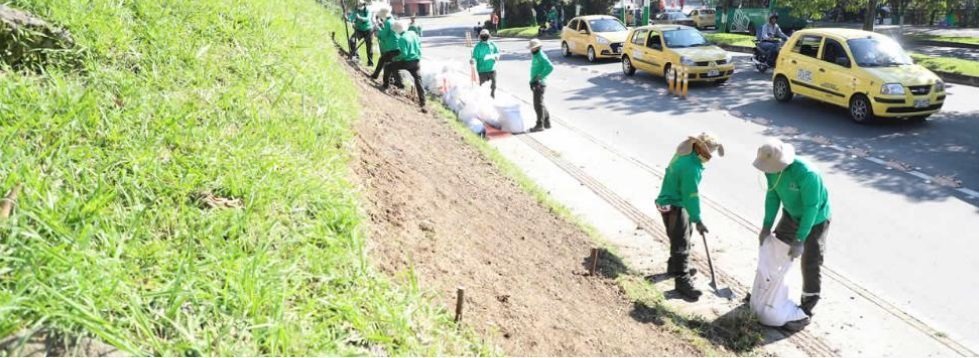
(8, 202)
(594, 261)
(460, 293)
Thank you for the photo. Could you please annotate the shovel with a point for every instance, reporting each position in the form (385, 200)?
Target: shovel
(725, 292)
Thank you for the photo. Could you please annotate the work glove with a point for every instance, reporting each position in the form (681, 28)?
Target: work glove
(701, 228)
(795, 250)
(764, 234)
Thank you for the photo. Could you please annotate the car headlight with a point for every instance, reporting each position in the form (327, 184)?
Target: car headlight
(728, 58)
(602, 40)
(686, 61)
(892, 88)
(939, 86)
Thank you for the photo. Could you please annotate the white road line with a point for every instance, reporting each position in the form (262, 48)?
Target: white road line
(921, 175)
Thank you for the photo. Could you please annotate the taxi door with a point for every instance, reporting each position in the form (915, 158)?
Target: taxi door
(802, 66)
(834, 72)
(637, 51)
(653, 52)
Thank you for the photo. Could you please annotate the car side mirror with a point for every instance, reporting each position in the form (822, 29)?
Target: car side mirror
(843, 61)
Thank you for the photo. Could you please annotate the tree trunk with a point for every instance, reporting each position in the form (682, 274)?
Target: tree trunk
(870, 15)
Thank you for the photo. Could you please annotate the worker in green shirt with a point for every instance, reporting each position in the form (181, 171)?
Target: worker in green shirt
(797, 187)
(540, 68)
(409, 54)
(485, 54)
(364, 28)
(388, 39)
(679, 204)
(415, 27)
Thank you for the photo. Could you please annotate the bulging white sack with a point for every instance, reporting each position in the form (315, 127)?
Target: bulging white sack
(778, 285)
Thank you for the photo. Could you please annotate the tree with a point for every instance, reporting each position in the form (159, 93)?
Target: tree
(870, 15)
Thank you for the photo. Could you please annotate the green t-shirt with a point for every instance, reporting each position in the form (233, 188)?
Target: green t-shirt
(540, 67)
(411, 47)
(485, 53)
(680, 185)
(799, 189)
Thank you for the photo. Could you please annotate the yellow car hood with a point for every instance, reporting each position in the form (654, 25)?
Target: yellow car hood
(618, 36)
(702, 53)
(908, 75)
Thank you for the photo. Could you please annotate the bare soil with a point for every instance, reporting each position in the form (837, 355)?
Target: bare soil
(439, 207)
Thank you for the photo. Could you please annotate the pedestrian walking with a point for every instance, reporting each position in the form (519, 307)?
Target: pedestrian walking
(409, 55)
(540, 68)
(364, 29)
(679, 204)
(495, 20)
(796, 187)
(389, 46)
(484, 56)
(415, 27)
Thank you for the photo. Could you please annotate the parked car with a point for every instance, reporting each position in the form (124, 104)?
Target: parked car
(595, 36)
(660, 49)
(703, 18)
(672, 18)
(868, 73)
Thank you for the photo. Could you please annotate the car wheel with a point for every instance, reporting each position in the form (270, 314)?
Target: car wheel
(627, 67)
(565, 50)
(781, 89)
(591, 54)
(861, 110)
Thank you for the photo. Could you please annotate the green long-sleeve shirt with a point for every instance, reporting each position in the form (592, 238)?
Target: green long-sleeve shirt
(799, 188)
(361, 19)
(387, 38)
(417, 29)
(540, 67)
(410, 46)
(485, 54)
(680, 185)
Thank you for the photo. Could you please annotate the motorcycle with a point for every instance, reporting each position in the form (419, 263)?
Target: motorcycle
(760, 58)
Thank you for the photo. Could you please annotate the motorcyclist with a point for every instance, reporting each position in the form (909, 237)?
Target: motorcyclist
(768, 36)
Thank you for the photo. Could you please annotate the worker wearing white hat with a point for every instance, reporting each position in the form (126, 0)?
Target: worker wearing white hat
(363, 29)
(540, 68)
(484, 56)
(797, 188)
(409, 56)
(388, 42)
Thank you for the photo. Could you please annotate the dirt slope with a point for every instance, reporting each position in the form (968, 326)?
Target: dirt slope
(437, 206)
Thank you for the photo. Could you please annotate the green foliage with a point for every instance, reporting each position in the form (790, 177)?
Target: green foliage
(948, 64)
(180, 102)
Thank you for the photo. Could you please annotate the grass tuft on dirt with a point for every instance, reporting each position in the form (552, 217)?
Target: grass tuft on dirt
(186, 192)
(527, 32)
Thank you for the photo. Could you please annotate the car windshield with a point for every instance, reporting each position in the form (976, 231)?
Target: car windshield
(684, 38)
(606, 25)
(878, 52)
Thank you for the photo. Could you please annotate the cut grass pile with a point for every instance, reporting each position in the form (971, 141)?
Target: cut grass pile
(185, 192)
(731, 39)
(947, 64)
(522, 32)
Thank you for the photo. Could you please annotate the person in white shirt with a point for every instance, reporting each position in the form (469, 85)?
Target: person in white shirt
(770, 31)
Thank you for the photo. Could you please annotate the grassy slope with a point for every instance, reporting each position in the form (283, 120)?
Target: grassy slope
(948, 64)
(731, 39)
(523, 32)
(242, 99)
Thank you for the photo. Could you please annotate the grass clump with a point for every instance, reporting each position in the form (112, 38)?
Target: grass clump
(527, 32)
(947, 64)
(185, 193)
(731, 39)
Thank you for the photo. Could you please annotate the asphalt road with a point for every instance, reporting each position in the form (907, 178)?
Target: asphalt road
(905, 224)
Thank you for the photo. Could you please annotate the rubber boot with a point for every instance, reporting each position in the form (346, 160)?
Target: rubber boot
(797, 325)
(685, 288)
(808, 303)
(672, 273)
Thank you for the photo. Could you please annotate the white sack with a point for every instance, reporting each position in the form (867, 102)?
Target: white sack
(778, 285)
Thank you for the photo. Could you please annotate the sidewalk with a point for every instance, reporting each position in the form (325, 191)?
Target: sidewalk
(614, 192)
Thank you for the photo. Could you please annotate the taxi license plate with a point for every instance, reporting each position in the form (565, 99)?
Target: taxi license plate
(713, 73)
(920, 103)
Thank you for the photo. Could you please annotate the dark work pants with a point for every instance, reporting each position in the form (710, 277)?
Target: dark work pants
(489, 76)
(812, 256)
(412, 67)
(368, 42)
(679, 230)
(384, 63)
(543, 117)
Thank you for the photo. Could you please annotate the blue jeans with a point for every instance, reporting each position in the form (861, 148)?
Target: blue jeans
(770, 49)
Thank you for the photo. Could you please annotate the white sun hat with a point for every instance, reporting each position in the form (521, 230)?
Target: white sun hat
(534, 43)
(774, 156)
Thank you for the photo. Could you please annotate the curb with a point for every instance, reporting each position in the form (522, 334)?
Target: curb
(948, 77)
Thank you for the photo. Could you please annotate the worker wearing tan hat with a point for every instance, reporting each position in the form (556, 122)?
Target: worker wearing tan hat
(797, 187)
(679, 204)
(409, 56)
(540, 68)
(363, 28)
(388, 42)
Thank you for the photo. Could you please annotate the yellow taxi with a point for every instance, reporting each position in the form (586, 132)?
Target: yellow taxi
(660, 49)
(703, 18)
(595, 36)
(866, 72)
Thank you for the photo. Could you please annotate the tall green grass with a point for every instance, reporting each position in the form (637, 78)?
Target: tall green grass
(176, 99)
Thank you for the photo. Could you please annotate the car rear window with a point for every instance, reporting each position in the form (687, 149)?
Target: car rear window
(808, 45)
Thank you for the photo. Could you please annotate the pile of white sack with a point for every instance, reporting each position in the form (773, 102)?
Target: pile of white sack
(452, 81)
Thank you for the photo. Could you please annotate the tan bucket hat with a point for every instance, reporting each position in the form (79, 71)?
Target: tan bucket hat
(534, 43)
(706, 141)
(774, 156)
(484, 32)
(399, 26)
(383, 12)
